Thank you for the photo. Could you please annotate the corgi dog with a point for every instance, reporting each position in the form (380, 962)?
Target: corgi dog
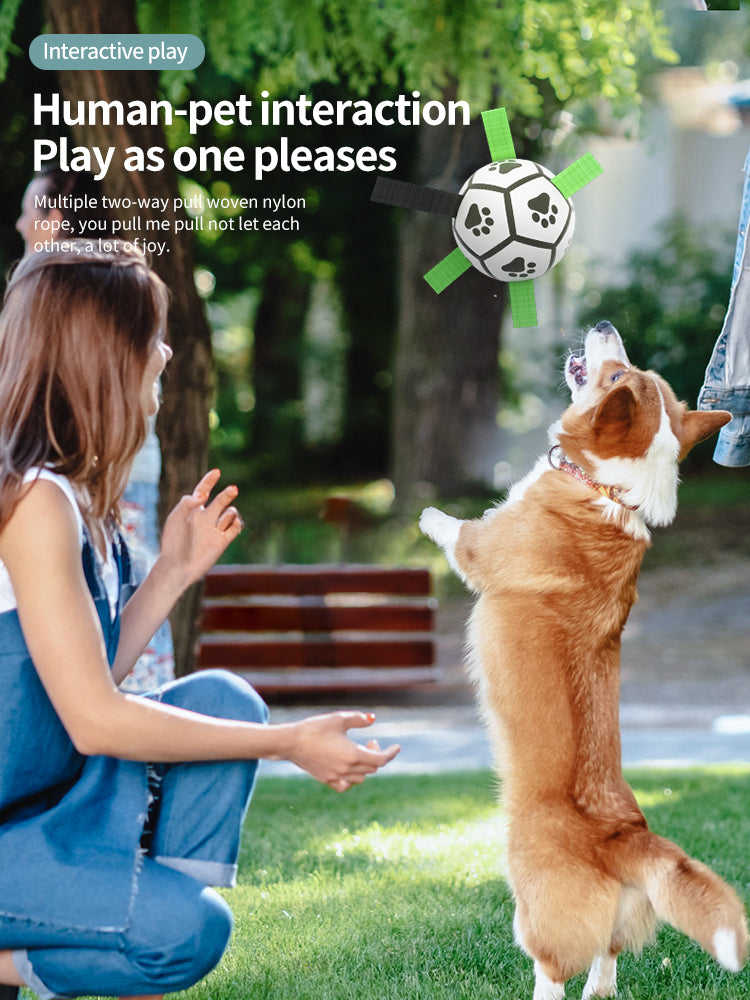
(555, 568)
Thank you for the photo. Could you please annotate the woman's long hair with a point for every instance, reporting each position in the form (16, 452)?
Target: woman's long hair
(76, 331)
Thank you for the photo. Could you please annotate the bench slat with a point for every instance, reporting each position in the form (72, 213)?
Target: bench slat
(314, 651)
(330, 627)
(227, 580)
(314, 679)
(316, 618)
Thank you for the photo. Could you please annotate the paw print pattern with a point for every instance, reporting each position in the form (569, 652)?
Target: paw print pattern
(519, 268)
(479, 220)
(505, 166)
(542, 211)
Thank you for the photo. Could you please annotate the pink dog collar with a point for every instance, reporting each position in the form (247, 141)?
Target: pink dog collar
(559, 461)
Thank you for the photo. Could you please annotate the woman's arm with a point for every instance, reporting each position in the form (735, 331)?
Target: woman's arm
(195, 534)
(40, 548)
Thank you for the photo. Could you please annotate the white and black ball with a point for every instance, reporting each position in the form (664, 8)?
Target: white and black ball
(512, 223)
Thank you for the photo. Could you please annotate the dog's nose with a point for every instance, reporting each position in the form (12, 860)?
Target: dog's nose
(604, 327)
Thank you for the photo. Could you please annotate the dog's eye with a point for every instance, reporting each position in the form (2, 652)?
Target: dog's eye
(616, 376)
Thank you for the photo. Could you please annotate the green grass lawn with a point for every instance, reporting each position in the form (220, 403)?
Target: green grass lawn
(396, 890)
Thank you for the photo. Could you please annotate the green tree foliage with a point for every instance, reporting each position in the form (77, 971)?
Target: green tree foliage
(670, 308)
(8, 14)
(534, 57)
(343, 239)
(477, 48)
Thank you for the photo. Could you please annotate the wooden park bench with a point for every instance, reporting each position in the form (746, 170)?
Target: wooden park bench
(319, 628)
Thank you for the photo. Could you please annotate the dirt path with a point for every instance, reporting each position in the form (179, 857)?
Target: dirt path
(686, 644)
(688, 639)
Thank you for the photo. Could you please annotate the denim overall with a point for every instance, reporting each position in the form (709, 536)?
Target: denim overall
(140, 526)
(103, 862)
(727, 382)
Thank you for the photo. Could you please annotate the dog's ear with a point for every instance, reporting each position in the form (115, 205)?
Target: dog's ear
(697, 425)
(617, 407)
(613, 418)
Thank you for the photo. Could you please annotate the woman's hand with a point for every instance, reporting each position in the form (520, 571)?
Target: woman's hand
(195, 535)
(320, 746)
(197, 532)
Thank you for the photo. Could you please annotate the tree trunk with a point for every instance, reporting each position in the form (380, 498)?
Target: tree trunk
(446, 371)
(277, 419)
(182, 424)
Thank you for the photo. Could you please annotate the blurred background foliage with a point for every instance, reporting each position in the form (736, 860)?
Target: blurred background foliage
(304, 325)
(672, 301)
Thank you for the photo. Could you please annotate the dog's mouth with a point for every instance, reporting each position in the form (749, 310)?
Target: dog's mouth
(577, 370)
(602, 344)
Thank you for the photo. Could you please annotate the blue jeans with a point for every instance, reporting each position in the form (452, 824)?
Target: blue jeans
(727, 382)
(178, 928)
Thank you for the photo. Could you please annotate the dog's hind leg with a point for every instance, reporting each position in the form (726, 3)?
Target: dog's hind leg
(563, 920)
(602, 980)
(634, 925)
(544, 987)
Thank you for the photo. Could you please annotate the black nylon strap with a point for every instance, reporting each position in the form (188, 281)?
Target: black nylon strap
(402, 194)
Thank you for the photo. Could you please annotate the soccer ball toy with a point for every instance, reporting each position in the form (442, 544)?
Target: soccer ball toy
(512, 223)
(513, 219)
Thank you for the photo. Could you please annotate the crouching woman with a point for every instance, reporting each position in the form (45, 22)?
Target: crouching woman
(117, 811)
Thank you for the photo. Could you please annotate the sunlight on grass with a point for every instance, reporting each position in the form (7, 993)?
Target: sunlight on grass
(656, 797)
(455, 850)
(396, 891)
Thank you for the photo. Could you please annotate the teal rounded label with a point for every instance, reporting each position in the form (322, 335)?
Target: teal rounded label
(117, 51)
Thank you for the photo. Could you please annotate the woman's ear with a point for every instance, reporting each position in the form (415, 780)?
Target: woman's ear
(55, 217)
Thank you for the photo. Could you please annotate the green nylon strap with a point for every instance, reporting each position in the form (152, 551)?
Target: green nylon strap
(497, 130)
(522, 303)
(577, 175)
(447, 270)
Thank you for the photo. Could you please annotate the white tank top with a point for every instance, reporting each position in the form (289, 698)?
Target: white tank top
(107, 569)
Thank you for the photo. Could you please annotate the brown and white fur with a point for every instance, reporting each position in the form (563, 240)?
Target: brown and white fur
(555, 567)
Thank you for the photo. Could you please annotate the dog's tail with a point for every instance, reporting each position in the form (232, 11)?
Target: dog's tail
(687, 894)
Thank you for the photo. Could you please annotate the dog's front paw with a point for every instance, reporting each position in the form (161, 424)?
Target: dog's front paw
(443, 529)
(440, 527)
